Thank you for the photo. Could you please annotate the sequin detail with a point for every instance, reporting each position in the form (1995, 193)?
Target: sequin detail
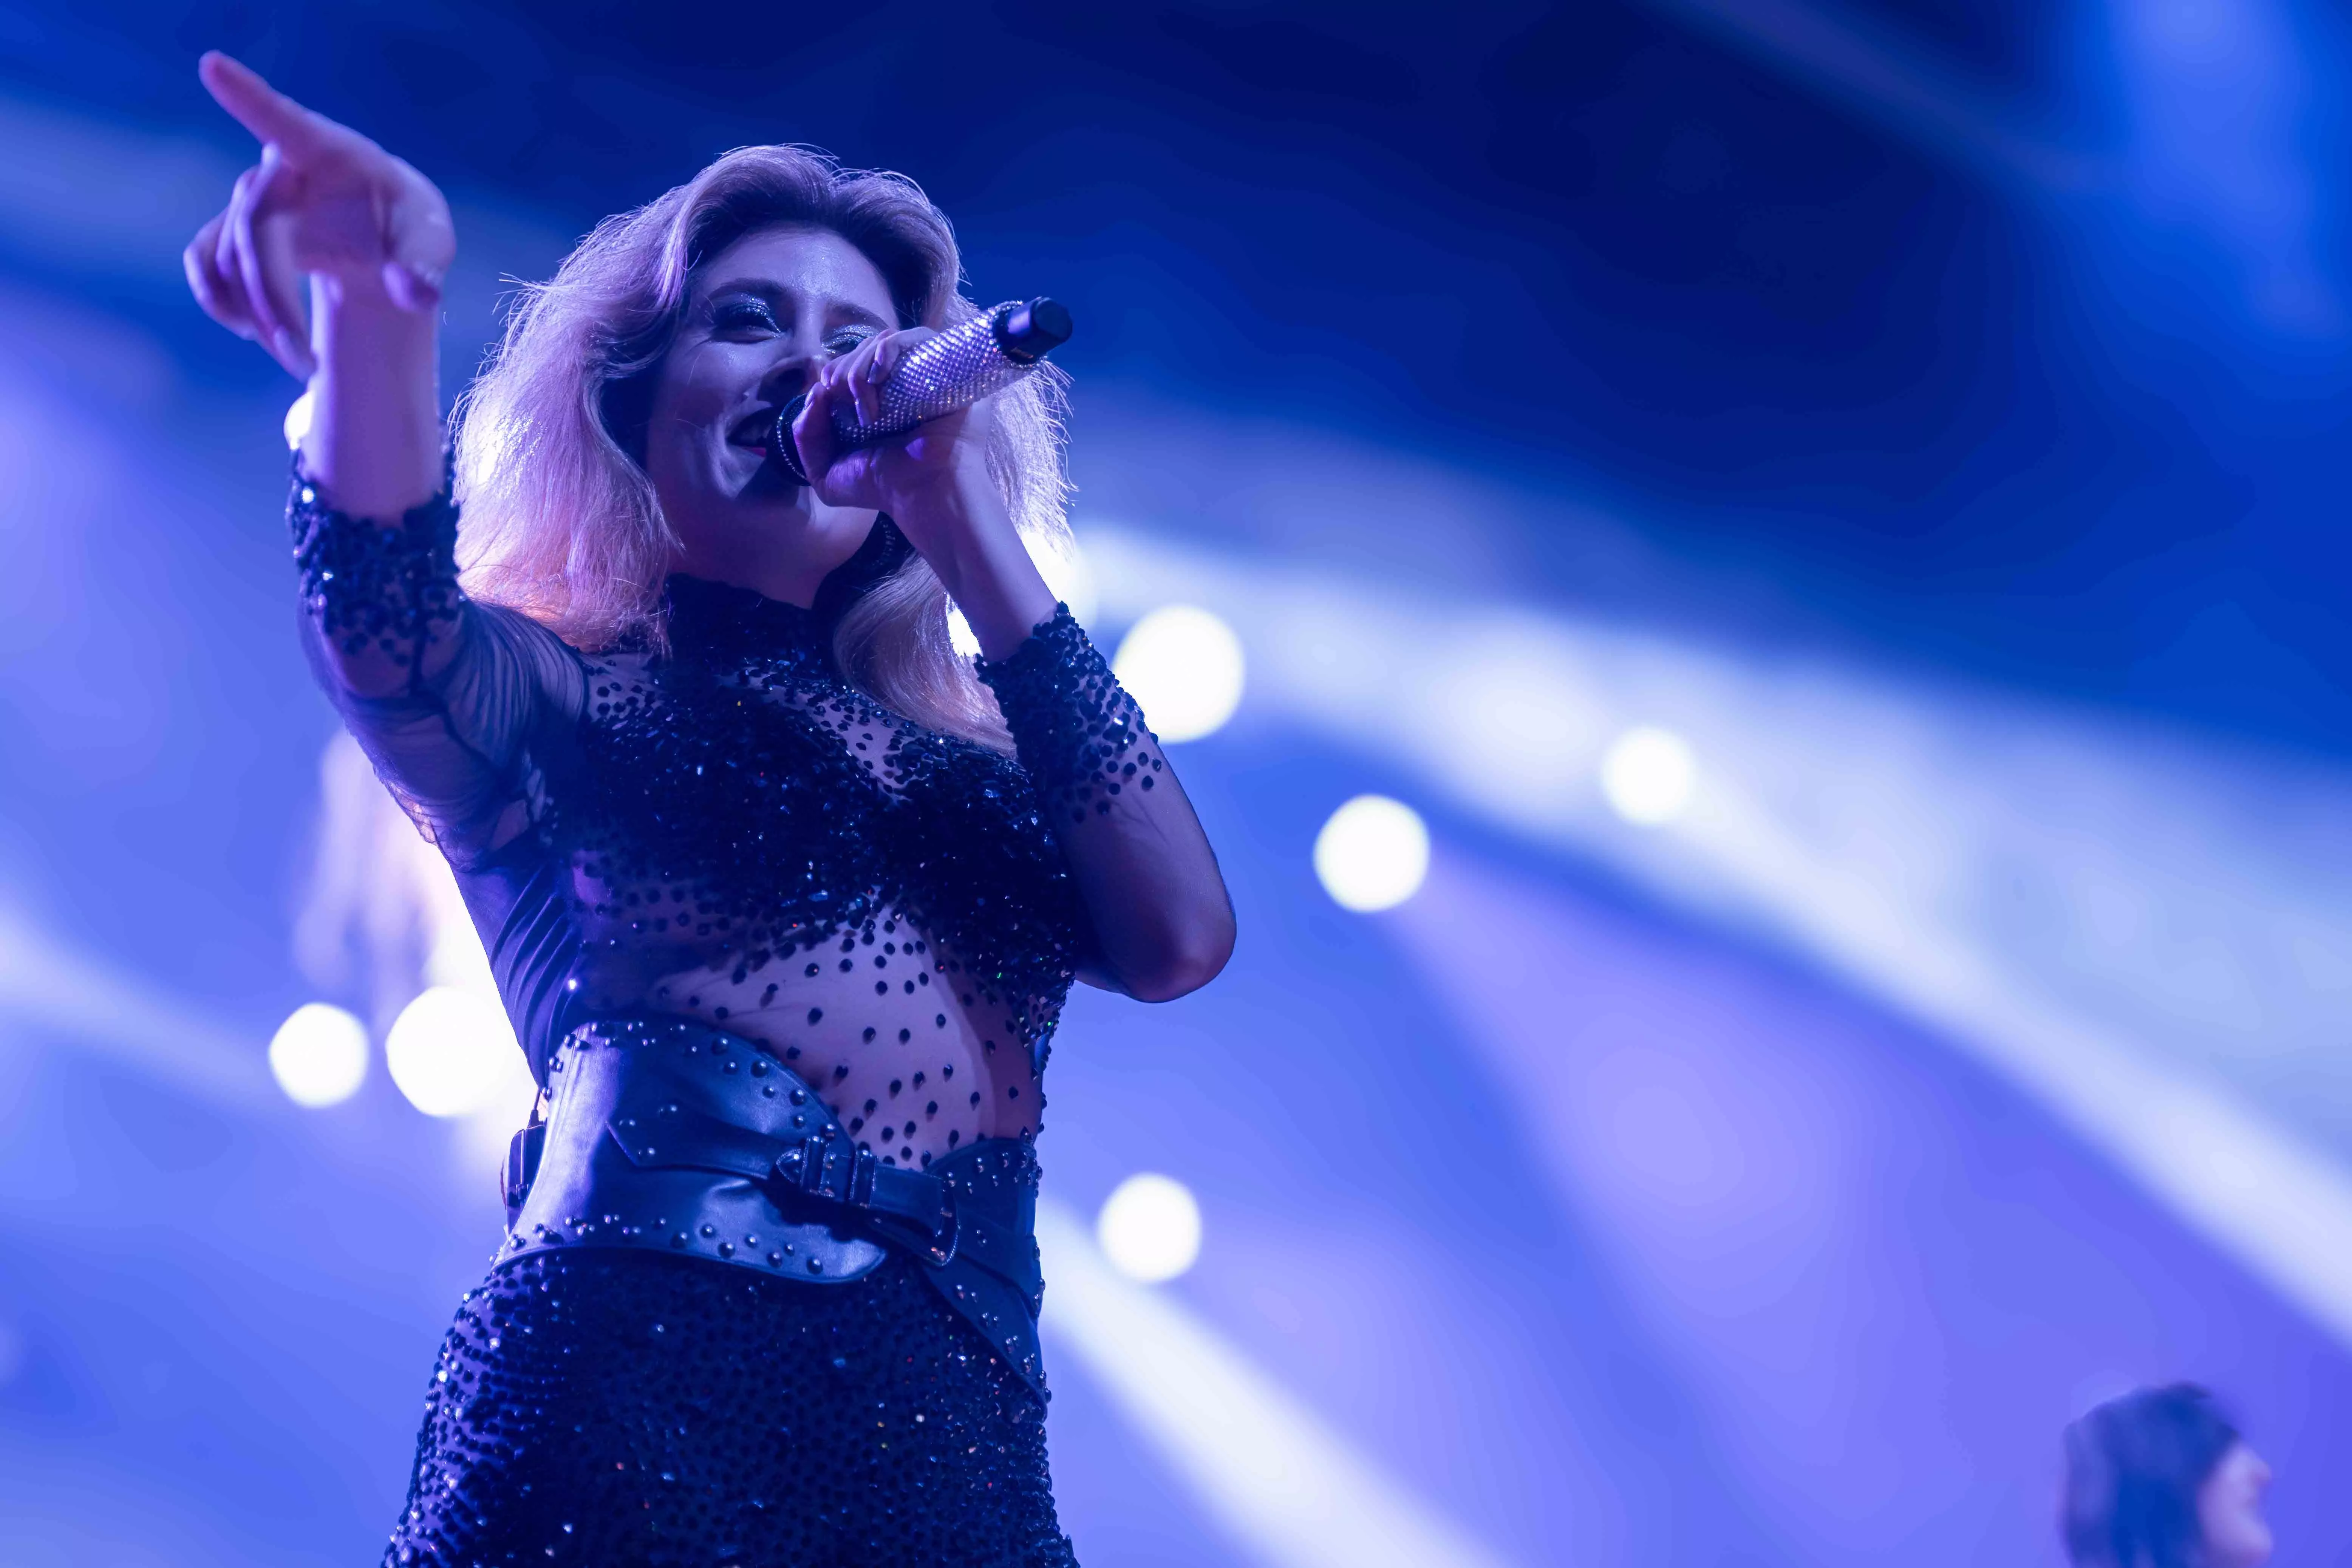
(1081, 735)
(371, 583)
(688, 815)
(724, 828)
(739, 796)
(621, 1407)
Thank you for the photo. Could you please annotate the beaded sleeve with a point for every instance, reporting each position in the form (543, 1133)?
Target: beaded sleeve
(1079, 734)
(481, 688)
(363, 582)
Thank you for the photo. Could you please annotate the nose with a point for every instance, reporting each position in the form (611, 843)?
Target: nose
(790, 377)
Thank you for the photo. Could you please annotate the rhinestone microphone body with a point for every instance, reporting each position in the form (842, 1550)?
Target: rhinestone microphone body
(945, 371)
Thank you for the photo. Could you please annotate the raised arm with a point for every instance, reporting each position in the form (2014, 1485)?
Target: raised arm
(1164, 924)
(374, 238)
(445, 694)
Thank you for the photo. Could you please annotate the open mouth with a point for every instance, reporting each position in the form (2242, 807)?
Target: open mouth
(754, 430)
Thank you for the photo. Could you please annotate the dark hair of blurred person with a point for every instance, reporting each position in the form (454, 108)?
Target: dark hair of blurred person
(2160, 1478)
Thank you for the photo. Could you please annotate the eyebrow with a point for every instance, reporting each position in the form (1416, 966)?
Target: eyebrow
(776, 293)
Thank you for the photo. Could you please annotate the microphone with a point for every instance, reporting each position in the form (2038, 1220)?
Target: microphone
(948, 370)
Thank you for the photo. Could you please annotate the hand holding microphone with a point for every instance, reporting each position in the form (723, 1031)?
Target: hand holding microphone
(893, 425)
(944, 373)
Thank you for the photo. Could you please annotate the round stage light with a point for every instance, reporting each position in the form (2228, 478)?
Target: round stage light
(1149, 1228)
(449, 1051)
(1373, 854)
(1183, 667)
(1649, 775)
(319, 1055)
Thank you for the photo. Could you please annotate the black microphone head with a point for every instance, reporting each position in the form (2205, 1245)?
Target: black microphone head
(1032, 331)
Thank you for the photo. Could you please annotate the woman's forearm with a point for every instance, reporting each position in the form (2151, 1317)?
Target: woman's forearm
(375, 445)
(1162, 923)
(379, 580)
(967, 534)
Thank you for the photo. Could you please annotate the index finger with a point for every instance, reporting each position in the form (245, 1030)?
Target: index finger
(269, 114)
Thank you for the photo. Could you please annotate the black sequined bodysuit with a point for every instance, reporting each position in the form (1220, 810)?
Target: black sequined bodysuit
(726, 830)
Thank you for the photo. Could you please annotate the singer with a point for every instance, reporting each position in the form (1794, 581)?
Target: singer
(784, 896)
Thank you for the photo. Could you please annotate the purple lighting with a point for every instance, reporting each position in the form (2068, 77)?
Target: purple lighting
(1885, 1278)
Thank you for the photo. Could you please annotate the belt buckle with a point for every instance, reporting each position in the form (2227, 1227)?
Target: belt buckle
(825, 1166)
(808, 1165)
(862, 1166)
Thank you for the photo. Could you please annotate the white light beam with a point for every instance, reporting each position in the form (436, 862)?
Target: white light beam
(122, 1015)
(1280, 1480)
(2142, 934)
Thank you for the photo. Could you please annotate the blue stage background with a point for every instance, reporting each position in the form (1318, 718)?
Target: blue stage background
(1932, 410)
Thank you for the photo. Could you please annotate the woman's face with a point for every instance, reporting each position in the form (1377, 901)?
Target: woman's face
(2229, 1511)
(763, 315)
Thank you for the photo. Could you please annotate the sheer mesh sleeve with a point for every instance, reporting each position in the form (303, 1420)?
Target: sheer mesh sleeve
(1158, 916)
(457, 703)
(1079, 734)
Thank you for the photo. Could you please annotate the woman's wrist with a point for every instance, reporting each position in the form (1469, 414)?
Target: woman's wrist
(374, 444)
(962, 527)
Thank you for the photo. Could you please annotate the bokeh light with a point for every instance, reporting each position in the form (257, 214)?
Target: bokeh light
(449, 1051)
(319, 1055)
(297, 420)
(1183, 665)
(2017, 871)
(1373, 854)
(1649, 775)
(1150, 1227)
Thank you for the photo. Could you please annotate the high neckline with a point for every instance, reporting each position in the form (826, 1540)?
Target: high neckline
(710, 618)
(706, 617)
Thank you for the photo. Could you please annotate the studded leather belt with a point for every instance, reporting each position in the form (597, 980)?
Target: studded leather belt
(681, 1138)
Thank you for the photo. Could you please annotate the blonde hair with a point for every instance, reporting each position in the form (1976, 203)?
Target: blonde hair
(560, 522)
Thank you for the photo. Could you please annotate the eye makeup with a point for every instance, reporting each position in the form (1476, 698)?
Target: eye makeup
(742, 313)
(746, 308)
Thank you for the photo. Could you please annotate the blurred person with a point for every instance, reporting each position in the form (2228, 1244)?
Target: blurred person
(783, 895)
(2160, 1478)
(379, 917)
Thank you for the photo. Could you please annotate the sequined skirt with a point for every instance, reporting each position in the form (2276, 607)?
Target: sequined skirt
(621, 1408)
